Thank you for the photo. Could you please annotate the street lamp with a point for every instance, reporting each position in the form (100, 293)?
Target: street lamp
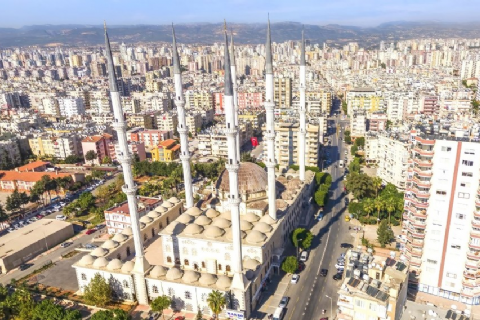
(331, 306)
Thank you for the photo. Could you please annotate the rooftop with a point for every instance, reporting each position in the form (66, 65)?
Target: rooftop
(122, 208)
(32, 166)
(29, 176)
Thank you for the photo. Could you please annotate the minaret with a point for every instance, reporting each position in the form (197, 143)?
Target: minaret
(232, 165)
(182, 125)
(235, 92)
(303, 132)
(129, 188)
(270, 126)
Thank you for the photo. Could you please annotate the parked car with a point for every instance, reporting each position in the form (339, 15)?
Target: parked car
(283, 303)
(154, 316)
(90, 231)
(60, 217)
(337, 276)
(66, 244)
(340, 266)
(295, 278)
(25, 266)
(90, 246)
(10, 229)
(100, 226)
(323, 272)
(304, 256)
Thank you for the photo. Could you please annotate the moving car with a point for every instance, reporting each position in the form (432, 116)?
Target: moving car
(90, 231)
(295, 278)
(283, 303)
(60, 217)
(304, 256)
(323, 272)
(347, 218)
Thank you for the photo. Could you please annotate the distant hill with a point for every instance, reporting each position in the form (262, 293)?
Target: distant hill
(252, 33)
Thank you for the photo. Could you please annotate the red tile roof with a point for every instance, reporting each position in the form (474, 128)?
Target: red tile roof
(32, 166)
(29, 176)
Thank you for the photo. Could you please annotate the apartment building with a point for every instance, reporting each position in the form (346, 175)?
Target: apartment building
(98, 144)
(213, 141)
(194, 122)
(286, 144)
(250, 100)
(429, 104)
(198, 100)
(374, 286)
(118, 218)
(363, 99)
(255, 118)
(393, 151)
(70, 107)
(377, 122)
(441, 220)
(10, 151)
(143, 120)
(167, 121)
(166, 151)
(42, 145)
(150, 138)
(282, 92)
(317, 102)
(67, 145)
(358, 124)
(134, 147)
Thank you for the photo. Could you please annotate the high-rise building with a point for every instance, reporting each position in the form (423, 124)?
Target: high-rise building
(282, 92)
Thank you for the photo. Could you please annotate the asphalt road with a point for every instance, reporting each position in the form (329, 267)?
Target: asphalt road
(309, 295)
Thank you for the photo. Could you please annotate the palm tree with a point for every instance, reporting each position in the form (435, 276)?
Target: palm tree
(368, 206)
(379, 205)
(377, 184)
(390, 206)
(216, 301)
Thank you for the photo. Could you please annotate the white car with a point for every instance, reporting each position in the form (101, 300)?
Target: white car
(340, 266)
(61, 217)
(10, 229)
(295, 278)
(304, 256)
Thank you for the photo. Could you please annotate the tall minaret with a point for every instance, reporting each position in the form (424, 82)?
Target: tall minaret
(182, 125)
(270, 126)
(232, 165)
(302, 134)
(130, 189)
(235, 92)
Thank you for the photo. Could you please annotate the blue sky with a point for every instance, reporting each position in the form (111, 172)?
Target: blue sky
(17, 13)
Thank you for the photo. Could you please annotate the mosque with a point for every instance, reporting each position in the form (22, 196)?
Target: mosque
(233, 243)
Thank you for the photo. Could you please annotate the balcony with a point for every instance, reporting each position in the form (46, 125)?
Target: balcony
(476, 223)
(475, 246)
(420, 193)
(471, 275)
(475, 234)
(426, 153)
(423, 162)
(472, 264)
(418, 224)
(470, 283)
(476, 213)
(473, 255)
(418, 204)
(421, 183)
(420, 234)
(417, 243)
(408, 247)
(417, 253)
(416, 262)
(423, 173)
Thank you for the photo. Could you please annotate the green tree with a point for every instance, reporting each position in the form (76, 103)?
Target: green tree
(376, 184)
(98, 174)
(117, 314)
(368, 206)
(199, 315)
(359, 184)
(106, 160)
(290, 264)
(384, 234)
(388, 125)
(360, 142)
(90, 156)
(246, 157)
(159, 304)
(216, 301)
(379, 205)
(353, 150)
(47, 310)
(72, 159)
(344, 107)
(302, 238)
(86, 201)
(98, 291)
(390, 206)
(383, 66)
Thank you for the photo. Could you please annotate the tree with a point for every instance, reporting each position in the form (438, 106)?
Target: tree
(383, 66)
(359, 184)
(106, 160)
(246, 157)
(344, 107)
(90, 156)
(23, 199)
(86, 201)
(377, 184)
(47, 310)
(360, 142)
(98, 291)
(379, 205)
(368, 206)
(390, 206)
(199, 315)
(161, 303)
(98, 174)
(117, 314)
(302, 238)
(3, 214)
(72, 159)
(216, 301)
(290, 264)
(384, 234)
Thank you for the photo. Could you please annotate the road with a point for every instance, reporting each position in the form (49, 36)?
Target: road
(309, 295)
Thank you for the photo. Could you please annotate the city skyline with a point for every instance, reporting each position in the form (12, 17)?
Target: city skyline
(116, 12)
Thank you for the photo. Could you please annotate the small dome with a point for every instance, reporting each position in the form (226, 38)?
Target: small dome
(173, 200)
(207, 279)
(203, 221)
(263, 227)
(194, 211)
(99, 252)
(251, 264)
(160, 209)
(190, 276)
(86, 260)
(127, 231)
(286, 195)
(128, 267)
(267, 219)
(245, 225)
(115, 264)
(229, 234)
(174, 273)
(193, 229)
(118, 237)
(281, 204)
(213, 232)
(146, 219)
(174, 227)
(185, 218)
(249, 274)
(221, 223)
(100, 262)
(109, 244)
(291, 171)
(158, 271)
(251, 179)
(153, 214)
(224, 282)
(251, 217)
(255, 237)
(212, 213)
(227, 215)
(167, 204)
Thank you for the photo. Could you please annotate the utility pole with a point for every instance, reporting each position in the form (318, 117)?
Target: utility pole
(331, 306)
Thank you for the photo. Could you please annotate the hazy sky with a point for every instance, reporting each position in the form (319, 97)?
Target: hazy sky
(17, 13)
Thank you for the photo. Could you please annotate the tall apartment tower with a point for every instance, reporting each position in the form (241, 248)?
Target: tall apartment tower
(441, 220)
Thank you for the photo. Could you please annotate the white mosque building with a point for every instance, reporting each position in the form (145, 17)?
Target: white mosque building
(231, 245)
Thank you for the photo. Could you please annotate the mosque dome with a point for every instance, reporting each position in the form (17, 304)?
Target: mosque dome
(109, 244)
(212, 213)
(99, 252)
(86, 260)
(221, 223)
(190, 276)
(173, 200)
(207, 279)
(267, 219)
(213, 232)
(203, 221)
(128, 266)
(251, 264)
(255, 237)
(100, 262)
(115, 264)
(174, 274)
(251, 179)
(251, 217)
(174, 227)
(263, 227)
(224, 282)
(194, 211)
(160, 209)
(229, 234)
(118, 237)
(153, 214)
(127, 231)
(245, 225)
(193, 229)
(167, 204)
(146, 219)
(185, 218)
(158, 271)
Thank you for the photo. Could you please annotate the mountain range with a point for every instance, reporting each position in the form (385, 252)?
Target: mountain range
(251, 33)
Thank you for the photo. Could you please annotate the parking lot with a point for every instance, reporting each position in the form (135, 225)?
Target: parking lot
(61, 274)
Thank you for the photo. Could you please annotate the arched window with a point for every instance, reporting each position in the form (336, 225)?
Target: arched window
(171, 292)
(203, 264)
(145, 237)
(186, 262)
(84, 276)
(203, 297)
(155, 289)
(188, 295)
(160, 226)
(153, 232)
(119, 257)
(219, 267)
(125, 283)
(128, 251)
(169, 259)
(168, 220)
(227, 268)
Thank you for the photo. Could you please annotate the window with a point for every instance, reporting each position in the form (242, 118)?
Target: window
(204, 297)
(451, 275)
(125, 283)
(360, 303)
(203, 264)
(464, 195)
(455, 246)
(219, 267)
(432, 261)
(467, 174)
(171, 292)
(442, 192)
(469, 151)
(467, 163)
(186, 262)
(155, 289)
(465, 184)
(169, 259)
(447, 149)
(188, 295)
(227, 268)
(84, 276)
(460, 216)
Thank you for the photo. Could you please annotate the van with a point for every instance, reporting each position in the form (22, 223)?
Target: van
(279, 314)
(304, 256)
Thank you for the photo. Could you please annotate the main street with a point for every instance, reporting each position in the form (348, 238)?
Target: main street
(309, 295)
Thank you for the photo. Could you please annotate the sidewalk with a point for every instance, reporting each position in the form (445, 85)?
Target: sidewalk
(271, 297)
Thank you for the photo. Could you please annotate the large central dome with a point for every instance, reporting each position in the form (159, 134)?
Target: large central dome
(251, 178)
